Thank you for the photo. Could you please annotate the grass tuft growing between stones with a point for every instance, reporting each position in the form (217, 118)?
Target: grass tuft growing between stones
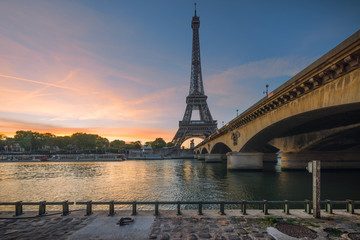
(333, 232)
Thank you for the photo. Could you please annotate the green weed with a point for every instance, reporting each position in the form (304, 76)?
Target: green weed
(333, 232)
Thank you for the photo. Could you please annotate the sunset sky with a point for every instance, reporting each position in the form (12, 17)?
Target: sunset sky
(121, 69)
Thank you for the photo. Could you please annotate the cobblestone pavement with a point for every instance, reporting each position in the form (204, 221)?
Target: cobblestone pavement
(194, 228)
(188, 226)
(42, 228)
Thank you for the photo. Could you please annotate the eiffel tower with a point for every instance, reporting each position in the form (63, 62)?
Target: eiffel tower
(196, 100)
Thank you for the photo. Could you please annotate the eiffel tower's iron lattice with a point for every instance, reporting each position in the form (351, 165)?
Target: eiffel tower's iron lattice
(196, 100)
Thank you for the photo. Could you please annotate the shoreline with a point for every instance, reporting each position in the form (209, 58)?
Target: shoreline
(89, 160)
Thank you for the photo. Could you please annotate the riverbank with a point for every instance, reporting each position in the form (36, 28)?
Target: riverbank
(85, 158)
(189, 225)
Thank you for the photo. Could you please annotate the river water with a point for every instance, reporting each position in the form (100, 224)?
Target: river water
(164, 180)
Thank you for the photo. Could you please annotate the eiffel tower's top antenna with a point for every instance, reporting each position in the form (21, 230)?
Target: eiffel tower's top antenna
(195, 8)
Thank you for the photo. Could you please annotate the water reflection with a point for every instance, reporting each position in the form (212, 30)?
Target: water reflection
(168, 180)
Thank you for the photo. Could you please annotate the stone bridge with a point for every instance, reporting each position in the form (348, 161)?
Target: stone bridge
(313, 116)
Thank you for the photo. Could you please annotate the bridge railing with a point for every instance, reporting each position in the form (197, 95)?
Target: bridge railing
(244, 205)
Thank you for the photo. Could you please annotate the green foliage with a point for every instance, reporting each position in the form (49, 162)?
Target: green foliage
(272, 220)
(333, 232)
(62, 142)
(77, 142)
(293, 221)
(158, 143)
(26, 139)
(133, 145)
(2, 141)
(85, 141)
(118, 144)
(170, 144)
(266, 222)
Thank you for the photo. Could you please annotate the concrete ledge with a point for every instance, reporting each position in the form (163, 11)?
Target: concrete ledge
(329, 160)
(215, 157)
(244, 161)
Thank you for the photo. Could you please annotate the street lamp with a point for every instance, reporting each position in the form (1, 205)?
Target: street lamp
(267, 89)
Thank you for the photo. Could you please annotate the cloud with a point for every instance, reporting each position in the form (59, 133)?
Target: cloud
(223, 83)
(36, 82)
(10, 126)
(51, 72)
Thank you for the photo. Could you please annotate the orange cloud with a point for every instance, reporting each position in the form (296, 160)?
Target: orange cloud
(52, 80)
(10, 126)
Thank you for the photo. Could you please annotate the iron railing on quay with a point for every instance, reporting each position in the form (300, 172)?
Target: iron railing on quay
(328, 205)
(42, 206)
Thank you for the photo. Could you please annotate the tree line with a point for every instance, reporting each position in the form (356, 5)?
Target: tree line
(78, 142)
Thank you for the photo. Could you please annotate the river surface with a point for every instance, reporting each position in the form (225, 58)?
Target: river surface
(164, 180)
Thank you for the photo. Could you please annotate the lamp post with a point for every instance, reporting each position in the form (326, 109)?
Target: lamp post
(314, 168)
(237, 112)
(267, 89)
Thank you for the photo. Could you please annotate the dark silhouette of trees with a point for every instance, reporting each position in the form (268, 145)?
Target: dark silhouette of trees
(78, 142)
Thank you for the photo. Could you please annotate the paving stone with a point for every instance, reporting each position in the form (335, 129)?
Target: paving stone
(213, 225)
(258, 235)
(204, 235)
(205, 230)
(165, 236)
(191, 230)
(220, 237)
(177, 229)
(178, 235)
(192, 237)
(241, 231)
(234, 237)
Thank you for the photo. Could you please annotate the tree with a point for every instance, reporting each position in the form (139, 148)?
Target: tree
(158, 143)
(25, 139)
(101, 142)
(84, 141)
(48, 139)
(170, 144)
(2, 141)
(62, 141)
(133, 145)
(117, 144)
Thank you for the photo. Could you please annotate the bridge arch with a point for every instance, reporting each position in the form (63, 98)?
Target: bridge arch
(220, 148)
(307, 129)
(204, 151)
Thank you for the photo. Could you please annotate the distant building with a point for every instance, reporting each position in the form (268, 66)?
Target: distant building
(146, 149)
(15, 147)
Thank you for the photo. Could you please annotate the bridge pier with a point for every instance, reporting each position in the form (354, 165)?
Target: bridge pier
(201, 156)
(270, 158)
(244, 161)
(215, 157)
(329, 160)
